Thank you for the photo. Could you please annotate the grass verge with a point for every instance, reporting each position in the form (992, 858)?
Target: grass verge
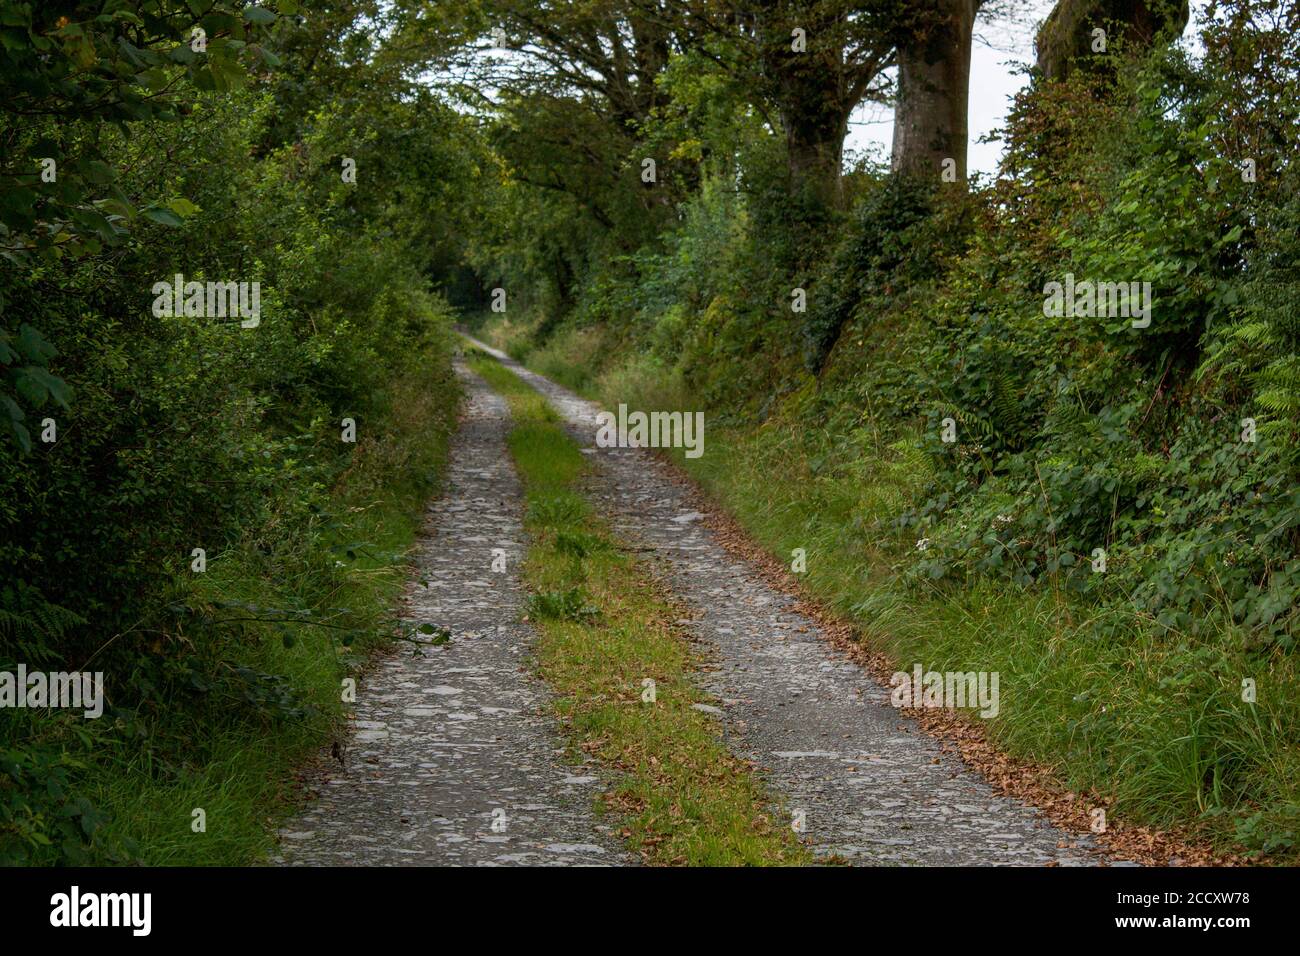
(606, 628)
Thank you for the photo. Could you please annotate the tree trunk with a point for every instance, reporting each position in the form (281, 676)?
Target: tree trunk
(1067, 34)
(650, 56)
(815, 145)
(930, 122)
(808, 88)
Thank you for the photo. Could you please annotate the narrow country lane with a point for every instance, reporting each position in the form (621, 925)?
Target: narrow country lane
(884, 463)
(871, 787)
(454, 757)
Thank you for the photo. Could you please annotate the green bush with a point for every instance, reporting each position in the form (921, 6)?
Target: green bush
(179, 433)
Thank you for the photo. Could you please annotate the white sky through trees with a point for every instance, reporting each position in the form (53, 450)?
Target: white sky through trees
(997, 74)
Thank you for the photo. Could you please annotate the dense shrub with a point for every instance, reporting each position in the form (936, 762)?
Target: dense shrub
(177, 433)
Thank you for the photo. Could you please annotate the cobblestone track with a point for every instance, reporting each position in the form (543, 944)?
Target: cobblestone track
(443, 739)
(873, 788)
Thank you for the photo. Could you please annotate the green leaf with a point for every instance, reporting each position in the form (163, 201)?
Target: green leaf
(163, 215)
(33, 347)
(90, 220)
(98, 172)
(30, 387)
(57, 388)
(182, 207)
(117, 207)
(21, 435)
(36, 384)
(203, 79)
(154, 79)
(259, 16)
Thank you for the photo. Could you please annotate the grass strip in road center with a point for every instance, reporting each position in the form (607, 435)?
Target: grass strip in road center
(606, 629)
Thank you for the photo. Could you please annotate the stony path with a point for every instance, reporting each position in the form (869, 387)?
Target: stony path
(872, 787)
(454, 759)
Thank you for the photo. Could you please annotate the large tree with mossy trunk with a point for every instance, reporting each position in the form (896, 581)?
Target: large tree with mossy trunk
(1066, 37)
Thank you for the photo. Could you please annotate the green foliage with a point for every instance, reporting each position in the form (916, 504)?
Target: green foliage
(75, 66)
(567, 605)
(1084, 434)
(176, 433)
(896, 241)
(1074, 435)
(41, 811)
